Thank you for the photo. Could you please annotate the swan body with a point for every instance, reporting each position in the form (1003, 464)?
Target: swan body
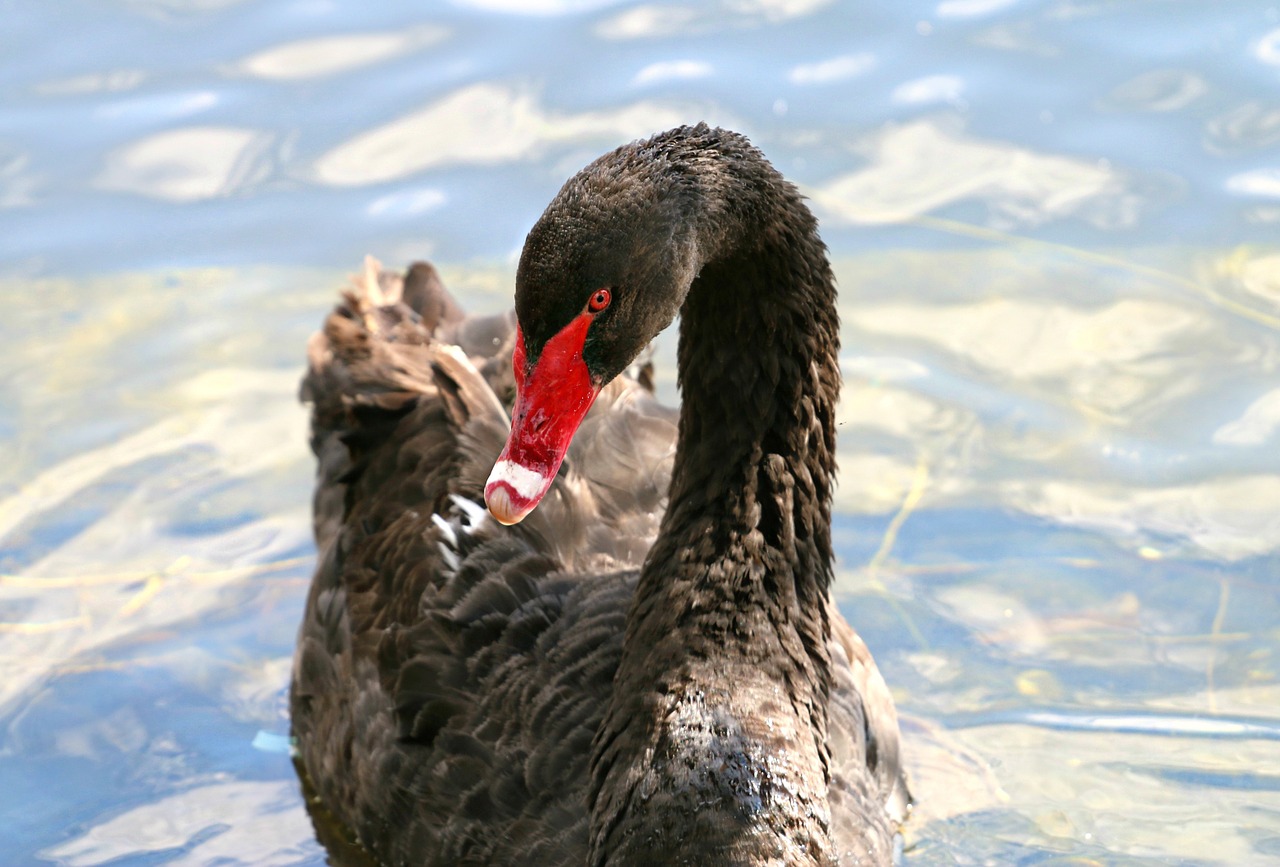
(647, 666)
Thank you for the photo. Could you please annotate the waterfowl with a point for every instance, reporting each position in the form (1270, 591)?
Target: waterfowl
(632, 655)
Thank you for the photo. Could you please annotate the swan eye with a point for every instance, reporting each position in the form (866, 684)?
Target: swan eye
(599, 300)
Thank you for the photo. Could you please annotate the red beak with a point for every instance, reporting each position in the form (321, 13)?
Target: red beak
(551, 402)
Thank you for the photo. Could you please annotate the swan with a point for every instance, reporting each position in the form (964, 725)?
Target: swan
(632, 655)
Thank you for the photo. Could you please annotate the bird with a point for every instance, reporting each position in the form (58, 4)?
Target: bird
(554, 621)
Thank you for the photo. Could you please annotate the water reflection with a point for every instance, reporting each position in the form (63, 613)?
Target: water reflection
(1257, 425)
(930, 89)
(1022, 37)
(180, 7)
(1102, 356)
(330, 55)
(98, 82)
(1260, 277)
(651, 21)
(924, 165)
(17, 185)
(482, 123)
(1159, 90)
(648, 21)
(1262, 182)
(188, 165)
(1076, 786)
(1248, 127)
(1232, 519)
(1057, 511)
(971, 8)
(672, 70)
(835, 69)
(160, 107)
(215, 823)
(538, 7)
(1268, 48)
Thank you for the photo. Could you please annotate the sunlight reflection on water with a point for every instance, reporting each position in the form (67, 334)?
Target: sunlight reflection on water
(1059, 508)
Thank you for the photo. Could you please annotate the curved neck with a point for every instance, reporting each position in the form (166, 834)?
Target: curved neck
(714, 746)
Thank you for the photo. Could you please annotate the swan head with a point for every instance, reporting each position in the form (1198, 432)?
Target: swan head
(605, 268)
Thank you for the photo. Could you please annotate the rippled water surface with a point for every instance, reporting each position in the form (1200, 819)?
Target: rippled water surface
(1057, 230)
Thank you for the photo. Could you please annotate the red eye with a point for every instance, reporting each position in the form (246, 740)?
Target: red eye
(599, 301)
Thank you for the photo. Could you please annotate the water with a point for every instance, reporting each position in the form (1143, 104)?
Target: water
(1055, 229)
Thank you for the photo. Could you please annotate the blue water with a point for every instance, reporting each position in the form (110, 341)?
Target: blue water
(1055, 227)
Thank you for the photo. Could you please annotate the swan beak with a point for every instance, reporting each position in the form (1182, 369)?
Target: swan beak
(551, 401)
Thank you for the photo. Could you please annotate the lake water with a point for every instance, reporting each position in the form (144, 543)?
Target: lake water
(1057, 230)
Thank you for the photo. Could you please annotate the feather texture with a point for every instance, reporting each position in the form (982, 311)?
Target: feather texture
(461, 693)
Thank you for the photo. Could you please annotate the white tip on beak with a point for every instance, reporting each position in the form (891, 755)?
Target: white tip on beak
(513, 490)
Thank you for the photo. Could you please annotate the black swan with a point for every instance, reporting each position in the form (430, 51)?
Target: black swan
(649, 669)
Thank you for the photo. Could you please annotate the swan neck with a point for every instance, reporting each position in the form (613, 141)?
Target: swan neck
(758, 366)
(715, 741)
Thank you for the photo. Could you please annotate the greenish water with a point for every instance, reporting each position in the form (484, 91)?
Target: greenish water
(1054, 224)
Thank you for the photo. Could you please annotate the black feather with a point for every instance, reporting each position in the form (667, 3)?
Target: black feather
(649, 669)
